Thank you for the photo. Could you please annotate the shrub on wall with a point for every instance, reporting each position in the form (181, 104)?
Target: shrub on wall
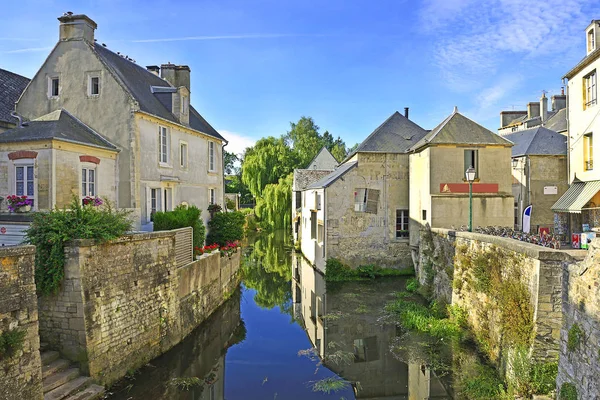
(224, 228)
(50, 231)
(182, 217)
(11, 342)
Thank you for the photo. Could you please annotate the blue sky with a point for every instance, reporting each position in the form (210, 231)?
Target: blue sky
(257, 65)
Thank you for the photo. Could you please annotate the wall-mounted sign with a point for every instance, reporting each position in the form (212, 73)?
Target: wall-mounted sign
(550, 189)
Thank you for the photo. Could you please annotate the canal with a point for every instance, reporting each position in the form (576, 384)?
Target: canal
(286, 335)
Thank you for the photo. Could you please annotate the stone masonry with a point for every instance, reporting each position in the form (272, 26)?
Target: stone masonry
(21, 374)
(581, 307)
(125, 302)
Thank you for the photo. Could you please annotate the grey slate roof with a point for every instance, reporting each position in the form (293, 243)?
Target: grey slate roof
(333, 176)
(140, 82)
(304, 177)
(323, 160)
(458, 129)
(537, 141)
(558, 121)
(58, 125)
(396, 135)
(11, 87)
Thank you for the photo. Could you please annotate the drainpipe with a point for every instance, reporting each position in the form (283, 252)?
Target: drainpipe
(223, 170)
(528, 181)
(17, 116)
(566, 84)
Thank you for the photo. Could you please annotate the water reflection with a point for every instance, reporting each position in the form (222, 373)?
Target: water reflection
(343, 327)
(195, 368)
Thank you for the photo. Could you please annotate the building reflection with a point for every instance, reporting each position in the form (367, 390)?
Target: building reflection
(342, 324)
(201, 357)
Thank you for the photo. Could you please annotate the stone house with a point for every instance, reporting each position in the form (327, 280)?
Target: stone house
(580, 205)
(11, 87)
(101, 125)
(539, 169)
(323, 164)
(537, 114)
(439, 192)
(359, 212)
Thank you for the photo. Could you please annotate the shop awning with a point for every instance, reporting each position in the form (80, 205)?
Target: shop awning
(576, 197)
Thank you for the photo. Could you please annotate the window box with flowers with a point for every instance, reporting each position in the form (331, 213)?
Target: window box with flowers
(92, 201)
(209, 249)
(229, 249)
(19, 204)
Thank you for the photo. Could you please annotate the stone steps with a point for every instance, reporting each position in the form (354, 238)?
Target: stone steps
(62, 381)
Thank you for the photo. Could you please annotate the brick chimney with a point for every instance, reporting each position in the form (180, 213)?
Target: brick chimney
(76, 27)
(533, 110)
(559, 101)
(544, 107)
(179, 77)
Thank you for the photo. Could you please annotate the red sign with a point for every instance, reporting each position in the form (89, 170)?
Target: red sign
(464, 188)
(3, 230)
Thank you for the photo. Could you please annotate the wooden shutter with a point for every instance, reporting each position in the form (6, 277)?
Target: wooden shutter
(372, 201)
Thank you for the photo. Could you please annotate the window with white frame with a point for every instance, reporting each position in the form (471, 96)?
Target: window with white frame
(211, 156)
(183, 154)
(589, 87)
(25, 181)
(366, 200)
(164, 144)
(591, 42)
(88, 182)
(53, 86)
(401, 223)
(154, 201)
(211, 196)
(94, 85)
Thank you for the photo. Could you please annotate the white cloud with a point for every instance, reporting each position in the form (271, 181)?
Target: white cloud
(237, 142)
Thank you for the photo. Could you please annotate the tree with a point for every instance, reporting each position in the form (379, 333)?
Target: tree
(305, 140)
(274, 207)
(229, 163)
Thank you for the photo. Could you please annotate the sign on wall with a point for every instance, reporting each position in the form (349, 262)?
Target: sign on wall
(550, 189)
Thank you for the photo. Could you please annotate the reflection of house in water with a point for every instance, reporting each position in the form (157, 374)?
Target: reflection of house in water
(201, 355)
(342, 324)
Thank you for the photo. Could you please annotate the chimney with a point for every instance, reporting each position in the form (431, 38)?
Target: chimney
(179, 77)
(76, 27)
(544, 107)
(533, 110)
(155, 69)
(559, 101)
(406, 112)
(506, 117)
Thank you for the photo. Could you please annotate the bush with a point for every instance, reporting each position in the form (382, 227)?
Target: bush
(226, 227)
(11, 342)
(568, 392)
(50, 231)
(181, 217)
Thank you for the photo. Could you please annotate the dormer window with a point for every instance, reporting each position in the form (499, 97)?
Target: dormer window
(591, 40)
(185, 105)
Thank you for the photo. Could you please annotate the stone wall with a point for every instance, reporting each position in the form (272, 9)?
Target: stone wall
(579, 363)
(536, 269)
(21, 374)
(125, 302)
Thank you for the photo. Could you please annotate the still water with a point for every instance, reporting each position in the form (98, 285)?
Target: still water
(284, 335)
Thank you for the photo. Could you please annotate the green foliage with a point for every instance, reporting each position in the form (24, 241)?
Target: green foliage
(543, 377)
(274, 208)
(336, 271)
(412, 285)
(234, 184)
(574, 337)
(459, 315)
(529, 378)
(11, 342)
(181, 217)
(229, 162)
(416, 317)
(49, 231)
(226, 227)
(568, 391)
(485, 385)
(331, 384)
(186, 383)
(230, 204)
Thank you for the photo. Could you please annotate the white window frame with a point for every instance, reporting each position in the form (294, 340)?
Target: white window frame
(90, 85)
(591, 39)
(88, 170)
(211, 156)
(183, 154)
(51, 94)
(25, 163)
(404, 215)
(590, 89)
(164, 146)
(212, 196)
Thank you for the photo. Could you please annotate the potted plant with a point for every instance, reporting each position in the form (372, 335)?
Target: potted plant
(92, 201)
(19, 204)
(213, 209)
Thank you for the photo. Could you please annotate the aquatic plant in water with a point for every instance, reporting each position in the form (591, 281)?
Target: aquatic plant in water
(328, 385)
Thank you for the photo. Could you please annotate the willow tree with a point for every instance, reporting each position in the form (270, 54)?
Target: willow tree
(274, 207)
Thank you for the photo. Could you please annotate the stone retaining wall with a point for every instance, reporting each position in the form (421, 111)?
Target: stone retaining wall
(580, 365)
(125, 302)
(539, 269)
(21, 374)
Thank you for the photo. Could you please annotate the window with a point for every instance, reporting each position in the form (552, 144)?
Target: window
(154, 201)
(211, 156)
(471, 160)
(366, 349)
(366, 200)
(163, 144)
(94, 86)
(166, 204)
(211, 196)
(53, 86)
(589, 90)
(424, 215)
(320, 232)
(25, 181)
(298, 199)
(591, 42)
(588, 152)
(183, 155)
(88, 182)
(318, 201)
(185, 104)
(313, 225)
(401, 223)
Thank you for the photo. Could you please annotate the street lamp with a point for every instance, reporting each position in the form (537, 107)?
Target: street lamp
(470, 175)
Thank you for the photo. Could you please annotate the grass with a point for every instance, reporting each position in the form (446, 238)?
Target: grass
(328, 385)
(417, 317)
(486, 384)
